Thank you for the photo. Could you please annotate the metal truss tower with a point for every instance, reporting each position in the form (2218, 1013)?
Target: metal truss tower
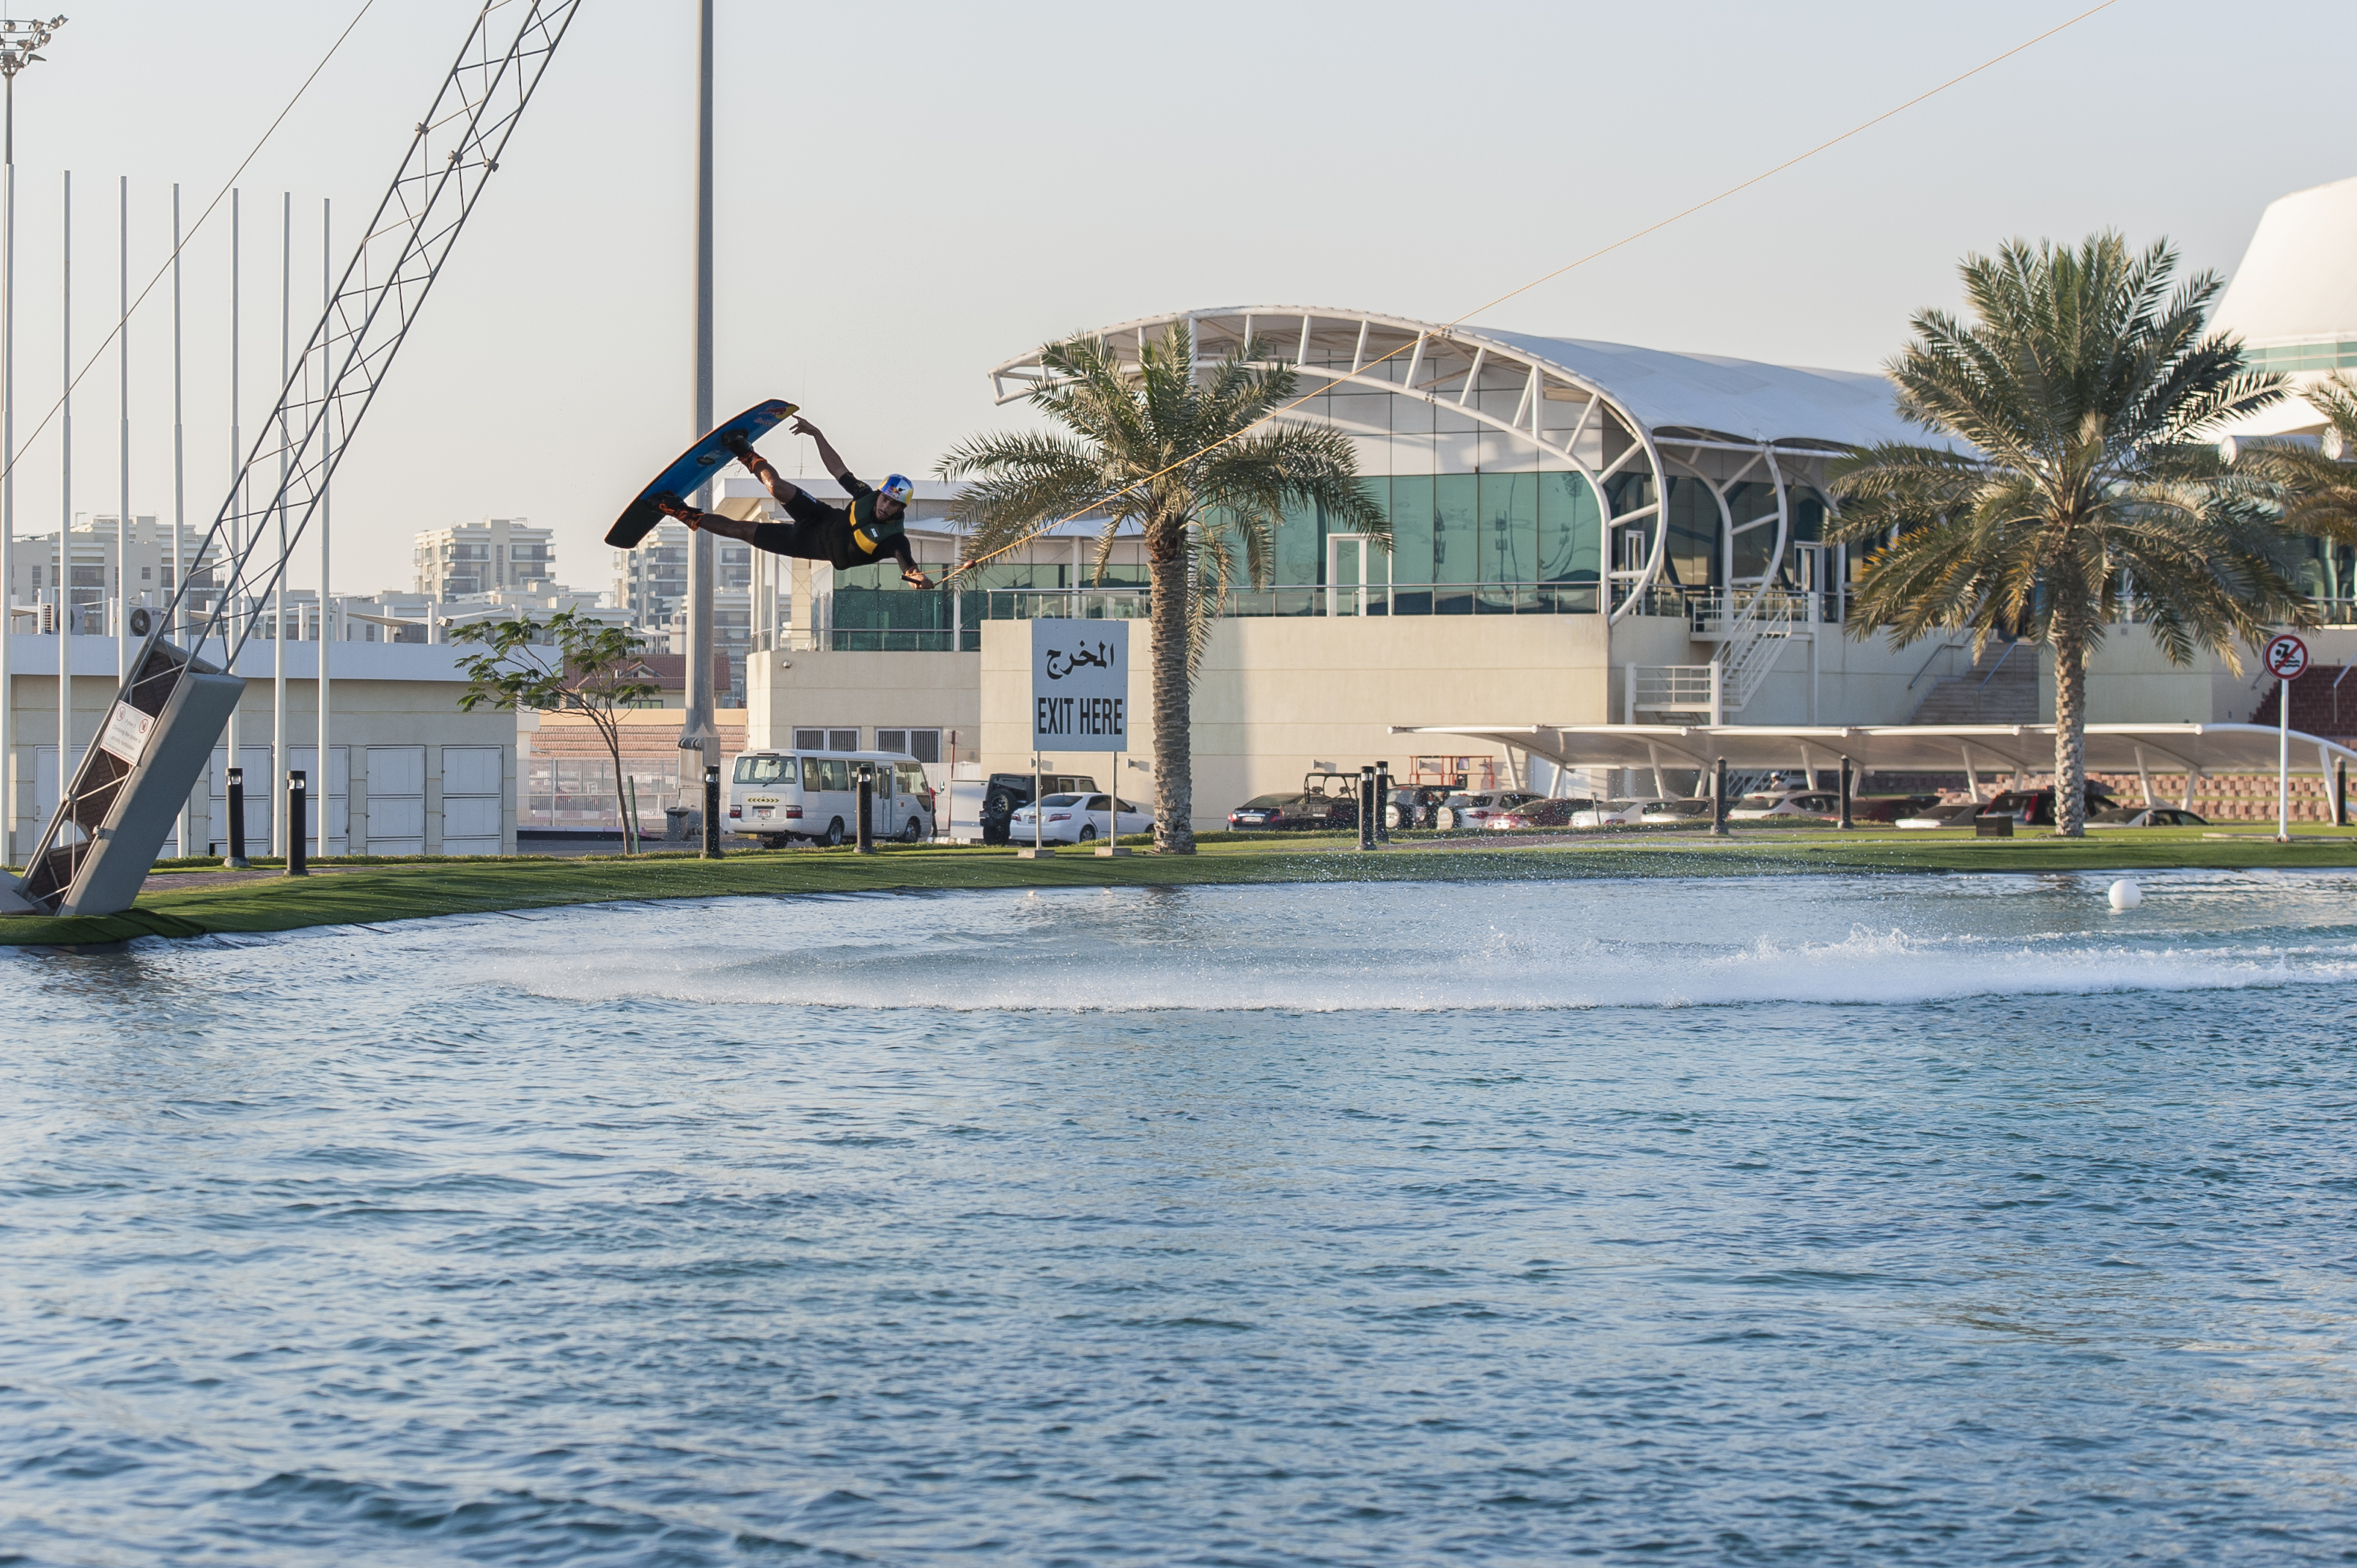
(158, 733)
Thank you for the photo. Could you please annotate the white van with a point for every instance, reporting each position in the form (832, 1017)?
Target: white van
(775, 796)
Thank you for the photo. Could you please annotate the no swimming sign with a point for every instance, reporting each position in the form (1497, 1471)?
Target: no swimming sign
(1080, 685)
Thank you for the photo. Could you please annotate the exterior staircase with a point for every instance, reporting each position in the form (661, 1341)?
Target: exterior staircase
(2317, 706)
(2001, 687)
(1753, 628)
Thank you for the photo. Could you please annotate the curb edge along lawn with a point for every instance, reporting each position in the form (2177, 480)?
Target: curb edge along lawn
(422, 888)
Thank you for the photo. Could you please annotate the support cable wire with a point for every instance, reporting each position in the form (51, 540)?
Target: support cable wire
(1626, 240)
(182, 243)
(454, 152)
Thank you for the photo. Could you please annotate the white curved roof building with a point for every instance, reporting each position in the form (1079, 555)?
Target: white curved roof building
(2293, 300)
(1524, 474)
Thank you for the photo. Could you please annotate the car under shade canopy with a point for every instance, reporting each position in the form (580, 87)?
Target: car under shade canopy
(2191, 749)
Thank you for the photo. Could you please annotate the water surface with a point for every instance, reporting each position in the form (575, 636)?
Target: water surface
(1947, 1221)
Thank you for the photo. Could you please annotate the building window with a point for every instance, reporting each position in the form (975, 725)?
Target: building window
(804, 739)
(924, 745)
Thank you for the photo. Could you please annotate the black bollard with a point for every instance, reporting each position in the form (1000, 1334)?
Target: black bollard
(1846, 823)
(866, 844)
(297, 822)
(1382, 802)
(237, 820)
(1718, 798)
(712, 813)
(2340, 793)
(1368, 806)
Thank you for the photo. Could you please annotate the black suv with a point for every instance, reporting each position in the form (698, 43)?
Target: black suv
(1008, 793)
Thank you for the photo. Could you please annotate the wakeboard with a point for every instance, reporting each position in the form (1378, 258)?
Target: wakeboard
(694, 468)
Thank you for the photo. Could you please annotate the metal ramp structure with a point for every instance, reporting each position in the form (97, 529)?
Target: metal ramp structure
(119, 808)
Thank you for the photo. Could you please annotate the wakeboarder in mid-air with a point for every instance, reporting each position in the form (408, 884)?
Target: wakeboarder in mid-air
(873, 526)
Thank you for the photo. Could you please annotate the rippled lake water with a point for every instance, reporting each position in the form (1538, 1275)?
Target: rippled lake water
(1942, 1220)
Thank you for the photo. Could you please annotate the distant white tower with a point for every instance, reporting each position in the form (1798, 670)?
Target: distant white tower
(2293, 301)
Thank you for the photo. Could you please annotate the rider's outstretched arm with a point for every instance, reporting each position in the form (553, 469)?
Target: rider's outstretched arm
(899, 547)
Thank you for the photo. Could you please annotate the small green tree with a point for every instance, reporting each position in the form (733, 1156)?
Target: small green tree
(2090, 393)
(567, 665)
(1186, 455)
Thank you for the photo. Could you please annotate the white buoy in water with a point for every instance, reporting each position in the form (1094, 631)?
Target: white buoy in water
(2125, 895)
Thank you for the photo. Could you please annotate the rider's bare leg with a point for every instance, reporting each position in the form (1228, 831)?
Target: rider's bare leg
(761, 469)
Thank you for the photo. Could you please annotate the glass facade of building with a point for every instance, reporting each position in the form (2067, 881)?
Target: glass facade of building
(2287, 358)
(1510, 486)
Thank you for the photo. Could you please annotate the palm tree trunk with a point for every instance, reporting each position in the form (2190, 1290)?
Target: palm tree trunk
(1174, 758)
(2070, 726)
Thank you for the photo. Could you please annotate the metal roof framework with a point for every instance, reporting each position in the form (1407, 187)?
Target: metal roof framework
(2192, 749)
(1634, 409)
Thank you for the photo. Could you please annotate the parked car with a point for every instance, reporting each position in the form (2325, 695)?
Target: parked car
(1676, 813)
(1615, 813)
(1768, 803)
(1074, 818)
(1413, 806)
(2035, 808)
(2145, 817)
(1293, 813)
(778, 796)
(1264, 814)
(1956, 814)
(1554, 813)
(1886, 808)
(1464, 811)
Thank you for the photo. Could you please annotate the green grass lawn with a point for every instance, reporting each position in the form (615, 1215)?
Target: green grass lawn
(367, 893)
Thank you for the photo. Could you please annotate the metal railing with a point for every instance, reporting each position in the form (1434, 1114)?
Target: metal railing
(1717, 612)
(578, 792)
(1674, 688)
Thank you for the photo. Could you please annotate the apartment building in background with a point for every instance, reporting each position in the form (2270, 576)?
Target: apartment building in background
(484, 557)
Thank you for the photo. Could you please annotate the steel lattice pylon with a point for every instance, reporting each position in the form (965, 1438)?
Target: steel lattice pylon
(96, 849)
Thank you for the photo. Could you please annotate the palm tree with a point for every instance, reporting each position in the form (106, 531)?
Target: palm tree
(2077, 488)
(2315, 484)
(1198, 464)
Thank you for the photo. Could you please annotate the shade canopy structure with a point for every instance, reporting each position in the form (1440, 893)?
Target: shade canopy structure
(2189, 748)
(1695, 471)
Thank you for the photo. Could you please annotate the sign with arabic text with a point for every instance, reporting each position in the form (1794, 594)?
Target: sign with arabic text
(1080, 685)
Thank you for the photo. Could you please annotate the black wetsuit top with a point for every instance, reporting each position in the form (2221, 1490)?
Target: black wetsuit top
(837, 535)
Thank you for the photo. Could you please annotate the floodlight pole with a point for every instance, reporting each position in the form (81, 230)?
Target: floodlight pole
(18, 42)
(696, 733)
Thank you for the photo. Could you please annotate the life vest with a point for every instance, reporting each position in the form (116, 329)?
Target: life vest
(867, 532)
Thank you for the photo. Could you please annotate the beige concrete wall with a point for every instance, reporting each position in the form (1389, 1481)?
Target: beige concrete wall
(2130, 681)
(1277, 696)
(365, 713)
(919, 691)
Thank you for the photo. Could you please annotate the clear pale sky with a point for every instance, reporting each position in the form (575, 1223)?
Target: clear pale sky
(911, 194)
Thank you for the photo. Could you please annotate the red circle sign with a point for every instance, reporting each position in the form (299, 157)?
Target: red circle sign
(2287, 656)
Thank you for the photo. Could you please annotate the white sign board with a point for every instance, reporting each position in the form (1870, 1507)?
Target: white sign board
(125, 734)
(2287, 656)
(1080, 685)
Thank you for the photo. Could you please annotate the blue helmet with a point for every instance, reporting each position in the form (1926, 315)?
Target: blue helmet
(896, 487)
